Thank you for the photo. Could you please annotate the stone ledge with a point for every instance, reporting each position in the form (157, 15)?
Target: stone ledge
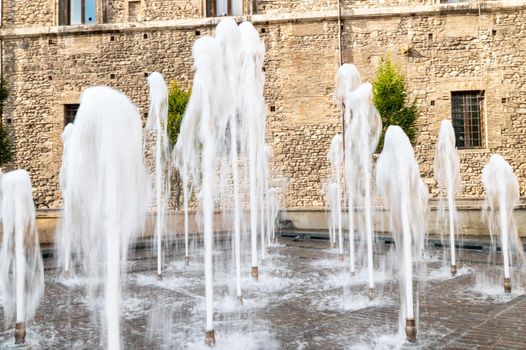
(188, 24)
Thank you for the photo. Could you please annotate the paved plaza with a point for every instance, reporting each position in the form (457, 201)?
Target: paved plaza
(305, 299)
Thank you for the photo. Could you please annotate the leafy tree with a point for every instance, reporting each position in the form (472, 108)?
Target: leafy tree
(391, 100)
(177, 100)
(6, 145)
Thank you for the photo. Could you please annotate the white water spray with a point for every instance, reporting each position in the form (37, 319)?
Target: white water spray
(447, 176)
(223, 131)
(21, 269)
(335, 157)
(157, 123)
(104, 188)
(502, 195)
(347, 80)
(398, 182)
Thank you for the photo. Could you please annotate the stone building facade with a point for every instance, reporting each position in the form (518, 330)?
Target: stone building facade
(49, 56)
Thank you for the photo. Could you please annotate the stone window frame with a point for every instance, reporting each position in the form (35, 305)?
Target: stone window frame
(482, 116)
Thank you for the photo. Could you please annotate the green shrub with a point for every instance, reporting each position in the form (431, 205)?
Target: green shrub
(391, 100)
(177, 100)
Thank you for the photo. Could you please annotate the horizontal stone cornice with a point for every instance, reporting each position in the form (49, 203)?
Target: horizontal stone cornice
(196, 23)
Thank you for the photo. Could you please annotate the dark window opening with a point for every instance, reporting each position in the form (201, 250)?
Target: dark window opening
(467, 109)
(219, 8)
(70, 111)
(73, 12)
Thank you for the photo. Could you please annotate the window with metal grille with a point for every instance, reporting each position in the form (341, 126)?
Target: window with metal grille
(70, 111)
(218, 8)
(77, 12)
(467, 108)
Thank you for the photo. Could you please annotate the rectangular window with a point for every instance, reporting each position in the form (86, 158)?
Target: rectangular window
(70, 111)
(220, 8)
(77, 12)
(467, 111)
(134, 9)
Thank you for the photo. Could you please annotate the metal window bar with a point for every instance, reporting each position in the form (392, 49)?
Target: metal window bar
(467, 109)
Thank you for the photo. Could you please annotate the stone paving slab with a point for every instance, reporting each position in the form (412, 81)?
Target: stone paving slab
(305, 299)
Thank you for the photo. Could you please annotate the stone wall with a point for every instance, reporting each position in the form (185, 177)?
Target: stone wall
(27, 13)
(446, 51)
(155, 10)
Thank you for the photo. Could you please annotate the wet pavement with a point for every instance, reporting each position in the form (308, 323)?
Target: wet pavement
(305, 299)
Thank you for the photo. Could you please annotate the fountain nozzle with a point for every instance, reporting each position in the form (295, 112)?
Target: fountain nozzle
(370, 294)
(20, 333)
(159, 277)
(255, 273)
(410, 330)
(453, 270)
(341, 257)
(210, 338)
(333, 245)
(507, 285)
(187, 260)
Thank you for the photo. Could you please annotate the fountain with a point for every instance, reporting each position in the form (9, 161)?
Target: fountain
(447, 176)
(361, 134)
(21, 268)
(223, 131)
(502, 195)
(105, 195)
(399, 184)
(335, 157)
(347, 80)
(157, 124)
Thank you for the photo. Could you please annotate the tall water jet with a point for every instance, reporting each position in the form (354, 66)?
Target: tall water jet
(253, 112)
(335, 157)
(347, 80)
(64, 233)
(362, 134)
(502, 195)
(21, 269)
(157, 123)
(398, 182)
(331, 194)
(201, 132)
(105, 188)
(229, 36)
(222, 132)
(273, 200)
(447, 176)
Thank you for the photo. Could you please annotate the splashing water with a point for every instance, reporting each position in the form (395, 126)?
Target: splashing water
(335, 157)
(157, 123)
(447, 176)
(105, 193)
(399, 183)
(21, 269)
(502, 195)
(223, 133)
(347, 80)
(362, 132)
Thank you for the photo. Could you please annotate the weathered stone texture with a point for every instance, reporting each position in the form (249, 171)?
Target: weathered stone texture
(445, 51)
(155, 10)
(27, 12)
